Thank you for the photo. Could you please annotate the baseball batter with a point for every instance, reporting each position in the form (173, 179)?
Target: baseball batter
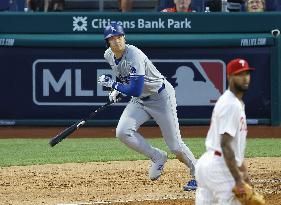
(152, 97)
(222, 166)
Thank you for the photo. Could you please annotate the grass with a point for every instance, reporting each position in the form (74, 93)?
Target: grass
(37, 151)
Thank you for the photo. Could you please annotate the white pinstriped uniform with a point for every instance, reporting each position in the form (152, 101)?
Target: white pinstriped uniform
(156, 101)
(215, 182)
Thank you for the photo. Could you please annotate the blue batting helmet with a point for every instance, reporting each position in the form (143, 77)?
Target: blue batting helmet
(113, 29)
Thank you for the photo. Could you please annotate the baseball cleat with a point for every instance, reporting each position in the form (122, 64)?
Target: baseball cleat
(157, 166)
(191, 185)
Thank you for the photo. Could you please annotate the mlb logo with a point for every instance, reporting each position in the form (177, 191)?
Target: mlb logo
(197, 82)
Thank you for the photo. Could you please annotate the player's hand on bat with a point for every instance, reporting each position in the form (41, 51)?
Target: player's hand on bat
(114, 96)
(105, 80)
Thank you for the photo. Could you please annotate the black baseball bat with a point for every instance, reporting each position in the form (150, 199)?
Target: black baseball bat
(68, 131)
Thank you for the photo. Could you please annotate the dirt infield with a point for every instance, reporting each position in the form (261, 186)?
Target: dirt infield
(119, 183)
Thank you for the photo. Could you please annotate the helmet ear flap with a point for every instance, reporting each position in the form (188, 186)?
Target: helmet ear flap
(107, 43)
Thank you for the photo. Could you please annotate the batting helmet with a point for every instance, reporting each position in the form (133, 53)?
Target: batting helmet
(113, 29)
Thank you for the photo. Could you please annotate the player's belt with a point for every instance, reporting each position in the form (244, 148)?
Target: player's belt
(217, 153)
(159, 91)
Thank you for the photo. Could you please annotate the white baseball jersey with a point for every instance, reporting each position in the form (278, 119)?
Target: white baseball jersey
(135, 62)
(228, 117)
(215, 182)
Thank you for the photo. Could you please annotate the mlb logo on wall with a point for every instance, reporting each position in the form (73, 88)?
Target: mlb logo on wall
(197, 82)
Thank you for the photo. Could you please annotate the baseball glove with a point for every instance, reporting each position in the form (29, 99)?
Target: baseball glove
(250, 197)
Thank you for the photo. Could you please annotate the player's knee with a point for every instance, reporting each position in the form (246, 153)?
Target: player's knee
(122, 133)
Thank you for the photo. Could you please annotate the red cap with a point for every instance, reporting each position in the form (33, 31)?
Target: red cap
(237, 65)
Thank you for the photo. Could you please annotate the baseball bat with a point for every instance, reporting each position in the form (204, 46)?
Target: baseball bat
(68, 131)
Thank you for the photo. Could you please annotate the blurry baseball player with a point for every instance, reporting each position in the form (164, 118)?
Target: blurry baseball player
(222, 167)
(152, 97)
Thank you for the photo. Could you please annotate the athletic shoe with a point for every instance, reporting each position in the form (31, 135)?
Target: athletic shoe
(191, 185)
(157, 166)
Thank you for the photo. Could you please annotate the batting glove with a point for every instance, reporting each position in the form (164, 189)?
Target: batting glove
(114, 96)
(105, 80)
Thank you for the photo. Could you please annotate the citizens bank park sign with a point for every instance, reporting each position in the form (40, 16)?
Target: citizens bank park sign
(85, 23)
